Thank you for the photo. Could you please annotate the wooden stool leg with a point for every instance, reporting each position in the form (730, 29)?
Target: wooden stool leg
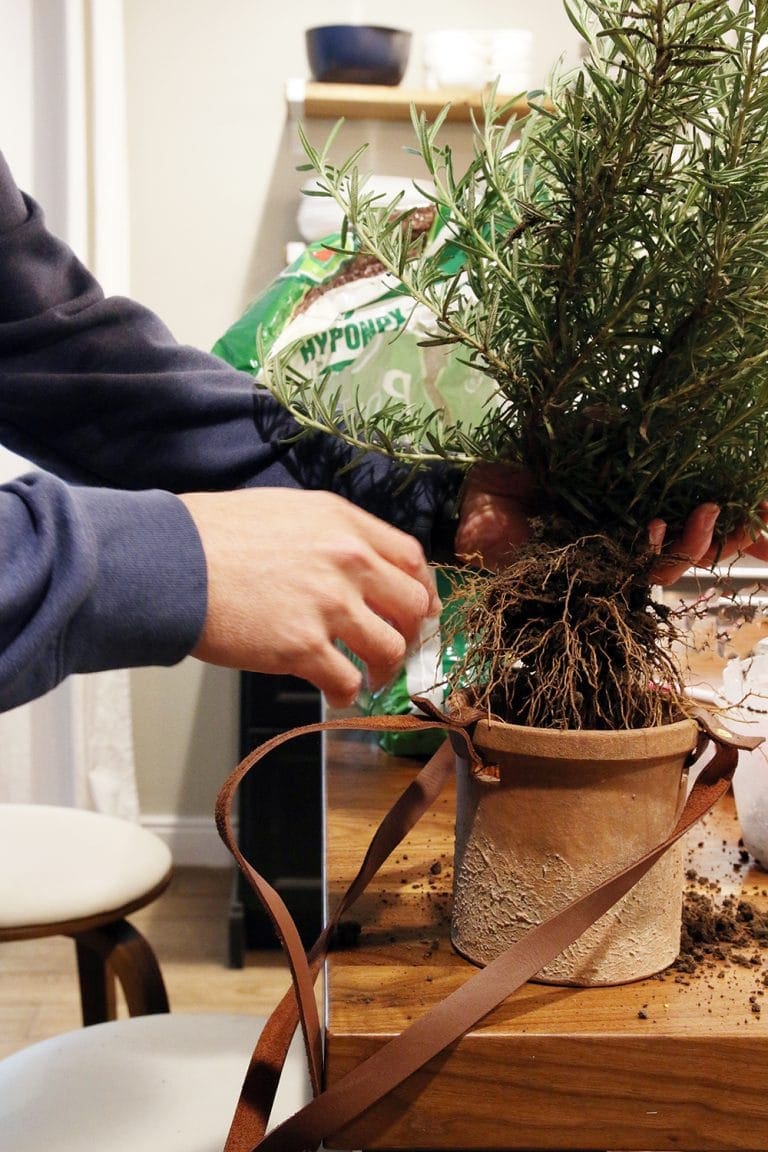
(97, 985)
(118, 949)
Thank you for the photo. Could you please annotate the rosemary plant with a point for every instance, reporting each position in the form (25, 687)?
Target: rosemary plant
(613, 284)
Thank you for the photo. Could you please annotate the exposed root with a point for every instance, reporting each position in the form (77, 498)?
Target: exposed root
(568, 637)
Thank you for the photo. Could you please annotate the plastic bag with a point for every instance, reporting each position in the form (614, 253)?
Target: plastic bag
(423, 674)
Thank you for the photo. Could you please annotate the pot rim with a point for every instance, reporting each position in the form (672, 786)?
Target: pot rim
(675, 738)
(672, 739)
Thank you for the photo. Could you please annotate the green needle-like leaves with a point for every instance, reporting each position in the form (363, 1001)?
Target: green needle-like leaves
(613, 277)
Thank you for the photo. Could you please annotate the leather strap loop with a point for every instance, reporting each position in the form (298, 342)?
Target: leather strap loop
(332, 1109)
(299, 1004)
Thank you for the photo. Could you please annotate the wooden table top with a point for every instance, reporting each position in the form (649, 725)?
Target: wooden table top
(674, 1062)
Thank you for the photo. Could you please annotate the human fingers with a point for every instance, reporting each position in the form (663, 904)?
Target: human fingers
(379, 645)
(657, 530)
(743, 542)
(759, 547)
(494, 515)
(288, 570)
(756, 544)
(366, 568)
(735, 544)
(396, 596)
(333, 674)
(691, 548)
(381, 610)
(374, 610)
(402, 560)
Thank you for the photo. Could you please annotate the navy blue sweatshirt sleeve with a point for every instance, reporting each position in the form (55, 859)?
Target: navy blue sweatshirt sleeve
(91, 579)
(99, 393)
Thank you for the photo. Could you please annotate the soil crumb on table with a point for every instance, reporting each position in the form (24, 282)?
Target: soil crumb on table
(721, 932)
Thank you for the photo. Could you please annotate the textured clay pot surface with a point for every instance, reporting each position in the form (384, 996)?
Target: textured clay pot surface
(568, 810)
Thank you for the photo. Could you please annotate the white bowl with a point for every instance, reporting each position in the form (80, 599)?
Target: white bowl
(473, 58)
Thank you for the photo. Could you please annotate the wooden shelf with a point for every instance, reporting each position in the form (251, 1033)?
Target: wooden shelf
(381, 102)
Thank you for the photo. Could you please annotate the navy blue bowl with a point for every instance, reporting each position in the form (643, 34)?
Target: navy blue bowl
(357, 54)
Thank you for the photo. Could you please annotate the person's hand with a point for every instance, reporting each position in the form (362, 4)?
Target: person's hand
(498, 502)
(496, 506)
(695, 545)
(290, 572)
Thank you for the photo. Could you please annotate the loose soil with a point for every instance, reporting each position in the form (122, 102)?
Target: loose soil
(720, 932)
(723, 932)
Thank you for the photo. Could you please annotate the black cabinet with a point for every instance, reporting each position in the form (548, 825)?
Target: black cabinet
(279, 811)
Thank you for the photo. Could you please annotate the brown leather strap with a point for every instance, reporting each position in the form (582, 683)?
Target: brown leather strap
(332, 1109)
(299, 1004)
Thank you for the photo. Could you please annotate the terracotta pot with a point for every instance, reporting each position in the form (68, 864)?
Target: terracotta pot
(568, 810)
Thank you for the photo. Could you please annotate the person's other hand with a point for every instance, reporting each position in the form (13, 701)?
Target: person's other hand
(695, 545)
(497, 503)
(291, 572)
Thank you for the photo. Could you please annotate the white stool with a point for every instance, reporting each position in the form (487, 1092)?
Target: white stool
(69, 872)
(151, 1084)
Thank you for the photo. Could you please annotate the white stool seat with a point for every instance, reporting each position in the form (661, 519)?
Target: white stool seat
(68, 872)
(65, 864)
(165, 1083)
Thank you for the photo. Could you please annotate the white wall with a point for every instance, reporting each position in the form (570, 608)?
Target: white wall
(74, 745)
(16, 87)
(212, 192)
(206, 119)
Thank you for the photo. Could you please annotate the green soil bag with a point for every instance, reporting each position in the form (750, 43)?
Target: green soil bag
(343, 315)
(339, 313)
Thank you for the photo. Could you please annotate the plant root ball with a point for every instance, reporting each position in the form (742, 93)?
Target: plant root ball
(568, 637)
